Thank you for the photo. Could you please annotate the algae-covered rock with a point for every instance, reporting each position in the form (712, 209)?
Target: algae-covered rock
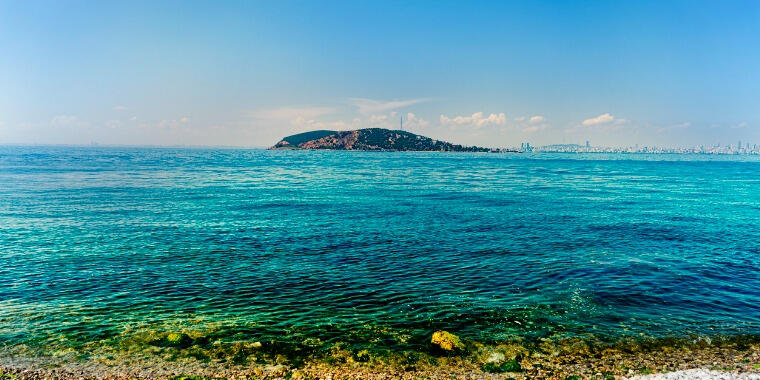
(509, 366)
(278, 370)
(177, 340)
(506, 357)
(496, 357)
(447, 341)
(362, 356)
(280, 359)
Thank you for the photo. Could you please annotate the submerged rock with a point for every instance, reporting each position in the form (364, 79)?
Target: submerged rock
(507, 357)
(496, 357)
(509, 366)
(362, 356)
(177, 340)
(447, 341)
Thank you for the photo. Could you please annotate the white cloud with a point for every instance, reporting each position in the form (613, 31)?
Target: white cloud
(173, 124)
(392, 120)
(113, 124)
(377, 106)
(530, 124)
(535, 128)
(67, 121)
(602, 123)
(605, 118)
(298, 119)
(63, 119)
(743, 124)
(291, 113)
(316, 124)
(413, 121)
(477, 119)
(681, 126)
(378, 119)
(389, 121)
(120, 108)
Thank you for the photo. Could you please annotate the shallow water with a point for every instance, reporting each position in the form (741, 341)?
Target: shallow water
(101, 245)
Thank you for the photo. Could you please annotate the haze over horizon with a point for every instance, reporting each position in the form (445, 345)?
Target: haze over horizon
(481, 73)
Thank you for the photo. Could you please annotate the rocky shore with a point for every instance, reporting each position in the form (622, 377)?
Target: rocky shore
(451, 358)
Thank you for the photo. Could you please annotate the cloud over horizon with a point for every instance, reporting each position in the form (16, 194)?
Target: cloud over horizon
(290, 113)
(365, 105)
(605, 118)
(476, 120)
(536, 119)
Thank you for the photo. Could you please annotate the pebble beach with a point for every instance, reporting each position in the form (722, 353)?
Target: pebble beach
(719, 361)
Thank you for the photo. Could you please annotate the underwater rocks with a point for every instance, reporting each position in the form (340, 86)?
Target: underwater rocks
(508, 366)
(178, 340)
(500, 358)
(447, 341)
(717, 362)
(444, 356)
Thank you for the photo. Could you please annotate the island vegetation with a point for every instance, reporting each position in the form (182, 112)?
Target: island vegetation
(375, 139)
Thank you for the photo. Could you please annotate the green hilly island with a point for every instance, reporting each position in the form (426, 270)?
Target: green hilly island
(370, 139)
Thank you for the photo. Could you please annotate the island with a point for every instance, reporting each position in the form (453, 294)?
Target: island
(377, 139)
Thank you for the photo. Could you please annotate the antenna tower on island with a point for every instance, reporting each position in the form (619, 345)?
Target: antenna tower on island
(401, 122)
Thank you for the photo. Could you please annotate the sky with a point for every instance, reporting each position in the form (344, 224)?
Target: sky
(495, 74)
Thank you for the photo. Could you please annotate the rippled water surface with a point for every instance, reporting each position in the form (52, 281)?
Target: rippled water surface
(380, 249)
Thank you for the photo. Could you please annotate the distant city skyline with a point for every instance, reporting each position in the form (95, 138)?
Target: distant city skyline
(739, 148)
(493, 74)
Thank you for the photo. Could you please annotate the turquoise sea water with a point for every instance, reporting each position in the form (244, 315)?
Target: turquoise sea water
(369, 249)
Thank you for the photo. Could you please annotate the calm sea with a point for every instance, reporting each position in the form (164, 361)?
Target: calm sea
(102, 245)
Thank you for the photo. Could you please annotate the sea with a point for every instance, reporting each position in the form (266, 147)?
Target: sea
(111, 248)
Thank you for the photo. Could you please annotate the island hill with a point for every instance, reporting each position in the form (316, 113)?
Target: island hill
(370, 139)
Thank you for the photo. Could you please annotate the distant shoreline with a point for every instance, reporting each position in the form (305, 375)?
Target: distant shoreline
(264, 148)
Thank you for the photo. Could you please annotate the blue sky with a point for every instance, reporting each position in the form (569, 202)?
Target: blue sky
(476, 72)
